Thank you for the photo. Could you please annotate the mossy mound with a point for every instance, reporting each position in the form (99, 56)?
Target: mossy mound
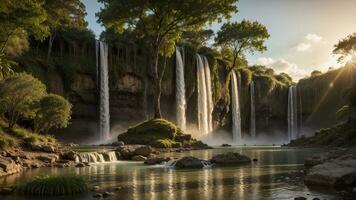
(55, 186)
(159, 133)
(343, 135)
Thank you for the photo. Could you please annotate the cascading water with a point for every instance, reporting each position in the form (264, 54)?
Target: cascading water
(292, 113)
(210, 105)
(104, 91)
(204, 96)
(180, 91)
(96, 157)
(253, 112)
(236, 117)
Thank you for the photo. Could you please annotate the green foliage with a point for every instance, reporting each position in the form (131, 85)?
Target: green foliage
(346, 47)
(28, 136)
(197, 38)
(242, 37)
(340, 136)
(163, 22)
(55, 186)
(315, 73)
(53, 111)
(159, 133)
(6, 141)
(284, 78)
(18, 94)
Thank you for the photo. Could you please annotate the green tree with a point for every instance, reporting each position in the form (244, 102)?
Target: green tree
(53, 111)
(242, 37)
(197, 38)
(62, 15)
(346, 47)
(161, 24)
(18, 20)
(315, 73)
(18, 95)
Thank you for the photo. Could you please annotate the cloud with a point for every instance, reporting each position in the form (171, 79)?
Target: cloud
(282, 65)
(309, 40)
(313, 38)
(303, 46)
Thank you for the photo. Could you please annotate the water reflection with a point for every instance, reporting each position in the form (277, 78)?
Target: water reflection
(137, 181)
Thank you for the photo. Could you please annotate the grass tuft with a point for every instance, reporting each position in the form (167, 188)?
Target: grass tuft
(54, 186)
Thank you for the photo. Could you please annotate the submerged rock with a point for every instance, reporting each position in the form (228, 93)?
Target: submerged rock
(230, 158)
(226, 145)
(300, 198)
(189, 162)
(333, 173)
(156, 160)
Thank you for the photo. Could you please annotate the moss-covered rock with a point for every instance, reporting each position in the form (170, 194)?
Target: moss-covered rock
(338, 136)
(159, 133)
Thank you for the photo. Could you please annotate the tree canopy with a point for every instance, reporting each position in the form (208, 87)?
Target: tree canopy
(346, 47)
(53, 111)
(161, 24)
(242, 37)
(19, 94)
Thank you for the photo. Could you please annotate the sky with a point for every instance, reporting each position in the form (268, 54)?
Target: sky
(303, 32)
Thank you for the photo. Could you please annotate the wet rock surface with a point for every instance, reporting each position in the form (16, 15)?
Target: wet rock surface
(189, 162)
(230, 158)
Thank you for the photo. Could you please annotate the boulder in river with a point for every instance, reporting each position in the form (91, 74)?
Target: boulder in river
(189, 162)
(139, 158)
(230, 158)
(144, 151)
(333, 173)
(156, 160)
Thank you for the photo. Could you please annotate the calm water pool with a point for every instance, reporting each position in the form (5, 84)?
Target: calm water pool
(258, 181)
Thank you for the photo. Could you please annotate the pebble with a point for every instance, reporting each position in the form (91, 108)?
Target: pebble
(95, 188)
(106, 194)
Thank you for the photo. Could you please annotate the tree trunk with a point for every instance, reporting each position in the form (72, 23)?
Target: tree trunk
(157, 83)
(50, 44)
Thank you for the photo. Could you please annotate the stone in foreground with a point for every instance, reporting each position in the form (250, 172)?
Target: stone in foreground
(332, 173)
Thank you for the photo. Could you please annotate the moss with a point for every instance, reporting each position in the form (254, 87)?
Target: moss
(246, 76)
(159, 133)
(54, 186)
(338, 136)
(28, 136)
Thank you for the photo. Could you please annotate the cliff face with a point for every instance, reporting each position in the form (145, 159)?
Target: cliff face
(74, 75)
(321, 96)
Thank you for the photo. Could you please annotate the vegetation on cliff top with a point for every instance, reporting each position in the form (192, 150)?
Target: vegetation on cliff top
(159, 133)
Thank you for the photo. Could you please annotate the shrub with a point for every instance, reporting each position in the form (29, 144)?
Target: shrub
(18, 93)
(55, 186)
(6, 141)
(53, 111)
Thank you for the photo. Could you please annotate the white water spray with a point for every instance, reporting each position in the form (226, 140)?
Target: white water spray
(253, 112)
(236, 117)
(292, 113)
(180, 91)
(104, 91)
(209, 94)
(205, 104)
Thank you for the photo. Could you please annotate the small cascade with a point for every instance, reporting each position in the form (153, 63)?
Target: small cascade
(96, 157)
(180, 91)
(236, 117)
(102, 61)
(112, 156)
(292, 113)
(205, 104)
(253, 112)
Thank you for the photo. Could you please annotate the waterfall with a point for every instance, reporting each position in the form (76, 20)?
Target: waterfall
(204, 95)
(292, 113)
(253, 112)
(96, 157)
(236, 117)
(209, 94)
(102, 61)
(180, 91)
